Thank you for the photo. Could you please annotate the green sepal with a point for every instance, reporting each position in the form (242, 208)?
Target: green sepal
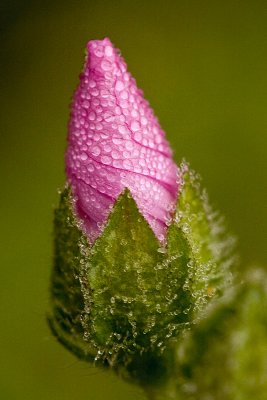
(138, 303)
(121, 301)
(225, 356)
(211, 247)
(71, 251)
(126, 300)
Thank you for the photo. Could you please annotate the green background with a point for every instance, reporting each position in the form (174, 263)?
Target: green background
(202, 65)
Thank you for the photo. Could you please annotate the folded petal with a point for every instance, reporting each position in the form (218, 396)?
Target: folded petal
(115, 141)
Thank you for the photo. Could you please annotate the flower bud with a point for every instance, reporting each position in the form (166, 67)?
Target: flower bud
(135, 263)
(115, 141)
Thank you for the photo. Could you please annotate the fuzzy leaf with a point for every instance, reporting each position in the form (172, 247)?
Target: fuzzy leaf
(225, 356)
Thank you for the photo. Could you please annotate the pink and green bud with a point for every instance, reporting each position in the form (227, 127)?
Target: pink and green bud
(115, 142)
(139, 253)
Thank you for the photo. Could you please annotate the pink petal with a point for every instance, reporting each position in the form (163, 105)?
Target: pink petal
(115, 141)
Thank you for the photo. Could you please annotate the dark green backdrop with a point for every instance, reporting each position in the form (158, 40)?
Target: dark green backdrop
(202, 65)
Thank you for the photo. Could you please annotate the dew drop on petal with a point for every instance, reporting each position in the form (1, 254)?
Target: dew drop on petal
(106, 160)
(96, 150)
(106, 65)
(83, 156)
(135, 126)
(115, 141)
(119, 85)
(108, 51)
(92, 116)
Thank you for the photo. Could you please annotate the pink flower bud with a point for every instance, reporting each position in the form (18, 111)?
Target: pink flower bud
(115, 141)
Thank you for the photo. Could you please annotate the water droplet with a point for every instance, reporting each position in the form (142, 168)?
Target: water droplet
(127, 164)
(117, 141)
(86, 104)
(161, 237)
(99, 126)
(111, 178)
(162, 250)
(96, 150)
(115, 155)
(135, 126)
(92, 116)
(83, 156)
(108, 116)
(107, 147)
(124, 104)
(99, 51)
(108, 51)
(95, 102)
(117, 110)
(106, 65)
(138, 136)
(119, 85)
(95, 92)
(126, 154)
(144, 121)
(129, 145)
(123, 129)
(92, 84)
(117, 163)
(124, 95)
(106, 160)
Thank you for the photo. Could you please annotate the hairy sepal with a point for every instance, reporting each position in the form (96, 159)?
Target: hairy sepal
(126, 300)
(212, 249)
(68, 282)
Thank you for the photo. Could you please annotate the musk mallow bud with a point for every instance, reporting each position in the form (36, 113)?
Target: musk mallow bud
(115, 141)
(138, 250)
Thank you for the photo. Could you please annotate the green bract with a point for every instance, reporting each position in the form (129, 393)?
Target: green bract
(126, 301)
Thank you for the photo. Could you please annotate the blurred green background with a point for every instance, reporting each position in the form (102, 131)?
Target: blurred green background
(202, 65)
